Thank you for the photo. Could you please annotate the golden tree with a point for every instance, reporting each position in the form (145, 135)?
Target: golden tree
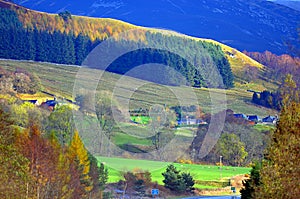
(79, 155)
(43, 159)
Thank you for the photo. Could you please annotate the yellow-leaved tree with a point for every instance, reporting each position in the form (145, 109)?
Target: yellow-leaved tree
(79, 156)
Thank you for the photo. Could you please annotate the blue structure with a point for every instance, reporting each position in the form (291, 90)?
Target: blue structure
(254, 118)
(270, 119)
(240, 115)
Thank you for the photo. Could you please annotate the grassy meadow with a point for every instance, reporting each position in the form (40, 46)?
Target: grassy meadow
(200, 173)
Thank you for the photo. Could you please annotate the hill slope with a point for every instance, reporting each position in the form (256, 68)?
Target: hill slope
(99, 29)
(60, 80)
(255, 25)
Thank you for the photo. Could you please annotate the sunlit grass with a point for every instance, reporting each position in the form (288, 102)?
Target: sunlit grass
(199, 172)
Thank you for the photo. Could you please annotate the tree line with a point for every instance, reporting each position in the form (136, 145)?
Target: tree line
(275, 100)
(41, 152)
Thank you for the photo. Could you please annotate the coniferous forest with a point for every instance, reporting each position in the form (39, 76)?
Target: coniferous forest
(32, 44)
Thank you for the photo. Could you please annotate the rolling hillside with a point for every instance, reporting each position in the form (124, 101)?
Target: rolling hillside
(60, 80)
(100, 28)
(255, 25)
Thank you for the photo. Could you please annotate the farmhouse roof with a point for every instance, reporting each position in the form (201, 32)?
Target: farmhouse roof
(51, 102)
(240, 115)
(254, 118)
(269, 119)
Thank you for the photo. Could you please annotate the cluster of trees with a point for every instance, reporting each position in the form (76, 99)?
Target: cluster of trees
(192, 112)
(16, 42)
(44, 156)
(239, 143)
(278, 66)
(276, 99)
(267, 99)
(105, 108)
(135, 182)
(139, 112)
(107, 111)
(66, 15)
(277, 175)
(194, 64)
(177, 181)
(204, 56)
(19, 81)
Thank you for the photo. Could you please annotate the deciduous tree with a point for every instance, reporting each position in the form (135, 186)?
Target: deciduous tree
(61, 123)
(43, 158)
(232, 149)
(14, 167)
(78, 153)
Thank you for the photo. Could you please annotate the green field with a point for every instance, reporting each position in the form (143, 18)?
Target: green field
(200, 172)
(140, 119)
(263, 127)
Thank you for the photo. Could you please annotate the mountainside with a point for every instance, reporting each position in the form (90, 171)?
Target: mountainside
(255, 25)
(47, 37)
